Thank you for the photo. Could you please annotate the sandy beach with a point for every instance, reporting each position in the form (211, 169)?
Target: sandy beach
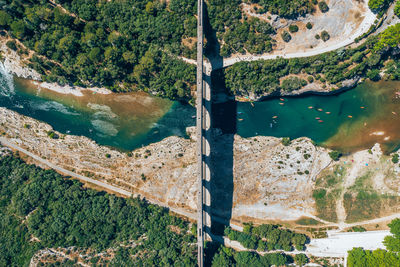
(73, 90)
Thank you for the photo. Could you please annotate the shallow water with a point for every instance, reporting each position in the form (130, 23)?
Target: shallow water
(350, 121)
(124, 121)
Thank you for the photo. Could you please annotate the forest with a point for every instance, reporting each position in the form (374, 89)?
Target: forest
(122, 45)
(59, 212)
(41, 209)
(286, 8)
(331, 68)
(125, 45)
(380, 257)
(267, 237)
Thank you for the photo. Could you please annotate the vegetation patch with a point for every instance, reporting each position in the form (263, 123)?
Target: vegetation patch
(379, 257)
(328, 188)
(368, 204)
(307, 221)
(39, 208)
(331, 68)
(267, 237)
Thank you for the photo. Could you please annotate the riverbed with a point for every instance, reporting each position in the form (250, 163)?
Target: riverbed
(123, 121)
(349, 121)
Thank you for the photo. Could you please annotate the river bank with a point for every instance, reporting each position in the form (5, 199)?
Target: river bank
(269, 181)
(18, 65)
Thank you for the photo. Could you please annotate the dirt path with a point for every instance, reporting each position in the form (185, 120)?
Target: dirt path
(82, 178)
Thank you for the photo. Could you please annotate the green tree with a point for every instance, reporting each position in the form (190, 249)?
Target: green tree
(18, 29)
(323, 6)
(325, 36)
(374, 75)
(376, 5)
(150, 8)
(286, 36)
(293, 28)
(397, 9)
(301, 259)
(5, 18)
(389, 38)
(335, 155)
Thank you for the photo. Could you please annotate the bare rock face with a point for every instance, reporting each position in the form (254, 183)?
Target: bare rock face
(252, 178)
(14, 64)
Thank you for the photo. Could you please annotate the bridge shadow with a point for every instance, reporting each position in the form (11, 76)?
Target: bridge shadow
(223, 128)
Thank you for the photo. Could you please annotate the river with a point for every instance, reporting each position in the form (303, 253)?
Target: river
(124, 121)
(349, 121)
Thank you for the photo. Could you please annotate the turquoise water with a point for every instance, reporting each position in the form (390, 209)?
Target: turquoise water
(348, 121)
(353, 120)
(107, 123)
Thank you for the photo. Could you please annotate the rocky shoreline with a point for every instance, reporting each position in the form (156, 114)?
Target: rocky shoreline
(309, 89)
(256, 179)
(15, 65)
(268, 179)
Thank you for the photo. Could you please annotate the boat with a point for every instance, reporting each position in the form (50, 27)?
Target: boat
(281, 103)
(362, 107)
(328, 112)
(240, 119)
(320, 109)
(350, 116)
(270, 125)
(281, 99)
(194, 116)
(252, 104)
(310, 107)
(317, 118)
(320, 121)
(274, 117)
(394, 113)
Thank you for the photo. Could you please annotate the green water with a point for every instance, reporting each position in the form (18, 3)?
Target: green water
(128, 121)
(123, 121)
(377, 121)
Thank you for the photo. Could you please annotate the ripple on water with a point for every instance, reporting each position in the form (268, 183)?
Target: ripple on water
(6, 82)
(104, 127)
(52, 105)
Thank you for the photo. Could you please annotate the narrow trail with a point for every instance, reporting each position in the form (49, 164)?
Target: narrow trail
(5, 142)
(369, 19)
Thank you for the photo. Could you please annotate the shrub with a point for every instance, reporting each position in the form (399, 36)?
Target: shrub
(293, 28)
(325, 36)
(374, 75)
(293, 83)
(335, 155)
(323, 6)
(395, 158)
(373, 60)
(357, 57)
(286, 141)
(314, 2)
(376, 5)
(309, 25)
(5, 18)
(286, 36)
(310, 79)
(108, 156)
(317, 36)
(397, 9)
(52, 135)
(301, 259)
(12, 45)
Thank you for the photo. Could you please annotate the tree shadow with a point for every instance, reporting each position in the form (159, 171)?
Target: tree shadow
(223, 128)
